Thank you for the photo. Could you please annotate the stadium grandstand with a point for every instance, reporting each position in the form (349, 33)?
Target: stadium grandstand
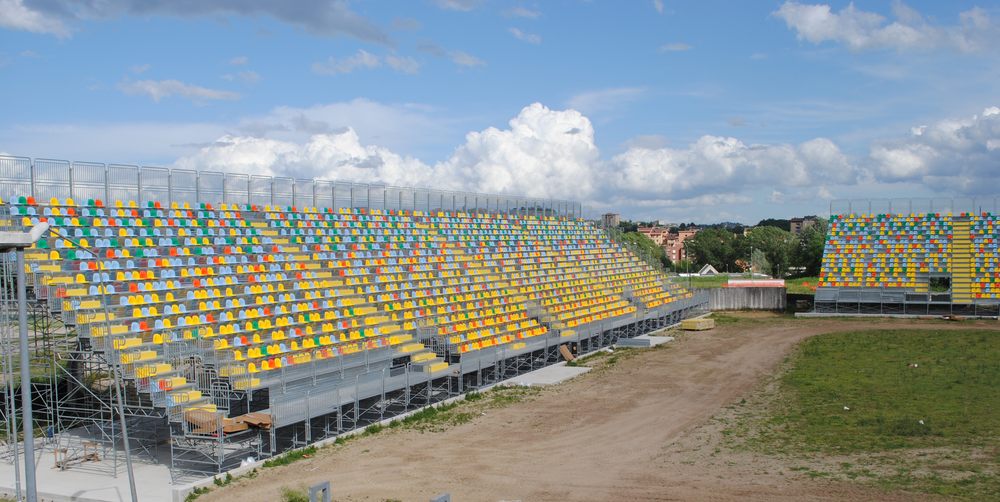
(937, 257)
(210, 317)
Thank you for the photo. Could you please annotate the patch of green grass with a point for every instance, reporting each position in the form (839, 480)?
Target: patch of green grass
(290, 457)
(799, 285)
(197, 492)
(581, 361)
(294, 495)
(712, 281)
(892, 395)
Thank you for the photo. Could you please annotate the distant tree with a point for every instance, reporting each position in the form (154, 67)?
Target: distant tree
(808, 252)
(648, 246)
(685, 266)
(771, 222)
(715, 246)
(628, 226)
(776, 245)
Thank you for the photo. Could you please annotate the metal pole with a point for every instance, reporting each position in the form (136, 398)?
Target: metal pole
(117, 373)
(27, 422)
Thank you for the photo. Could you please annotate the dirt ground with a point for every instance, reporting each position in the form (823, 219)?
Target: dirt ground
(634, 430)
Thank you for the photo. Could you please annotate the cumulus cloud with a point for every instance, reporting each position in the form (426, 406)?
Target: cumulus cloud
(322, 17)
(159, 89)
(957, 155)
(524, 36)
(860, 30)
(17, 16)
(534, 156)
(727, 165)
(658, 5)
(239, 61)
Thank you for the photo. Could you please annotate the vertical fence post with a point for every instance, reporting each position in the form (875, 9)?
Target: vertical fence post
(107, 184)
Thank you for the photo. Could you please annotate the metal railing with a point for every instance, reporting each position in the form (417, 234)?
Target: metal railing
(44, 179)
(916, 205)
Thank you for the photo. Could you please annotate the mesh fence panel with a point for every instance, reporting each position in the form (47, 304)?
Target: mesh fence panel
(211, 187)
(237, 188)
(282, 191)
(183, 186)
(15, 178)
(51, 179)
(154, 183)
(123, 183)
(89, 181)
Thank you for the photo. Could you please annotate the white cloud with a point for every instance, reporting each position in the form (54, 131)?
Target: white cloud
(523, 36)
(333, 66)
(726, 165)
(459, 5)
(658, 5)
(675, 47)
(247, 77)
(159, 89)
(860, 30)
(400, 127)
(322, 17)
(953, 155)
(552, 153)
(405, 127)
(239, 61)
(465, 59)
(402, 64)
(591, 102)
(365, 60)
(17, 16)
(537, 155)
(140, 68)
(524, 12)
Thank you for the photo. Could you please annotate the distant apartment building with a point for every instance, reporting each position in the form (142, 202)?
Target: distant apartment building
(611, 219)
(797, 225)
(673, 245)
(658, 235)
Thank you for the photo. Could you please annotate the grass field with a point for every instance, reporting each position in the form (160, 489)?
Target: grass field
(795, 286)
(912, 410)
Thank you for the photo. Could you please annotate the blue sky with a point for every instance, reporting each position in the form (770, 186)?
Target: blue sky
(678, 111)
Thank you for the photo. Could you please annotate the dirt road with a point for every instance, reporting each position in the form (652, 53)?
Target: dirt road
(603, 436)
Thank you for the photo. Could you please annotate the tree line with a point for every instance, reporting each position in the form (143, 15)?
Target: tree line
(769, 247)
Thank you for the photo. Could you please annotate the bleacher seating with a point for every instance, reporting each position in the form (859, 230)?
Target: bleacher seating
(903, 251)
(259, 291)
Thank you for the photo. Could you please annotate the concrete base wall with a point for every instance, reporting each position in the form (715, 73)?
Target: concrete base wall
(746, 298)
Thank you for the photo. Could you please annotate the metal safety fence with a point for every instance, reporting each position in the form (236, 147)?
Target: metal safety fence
(957, 205)
(44, 179)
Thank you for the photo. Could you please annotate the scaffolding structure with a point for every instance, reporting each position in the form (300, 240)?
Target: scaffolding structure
(96, 414)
